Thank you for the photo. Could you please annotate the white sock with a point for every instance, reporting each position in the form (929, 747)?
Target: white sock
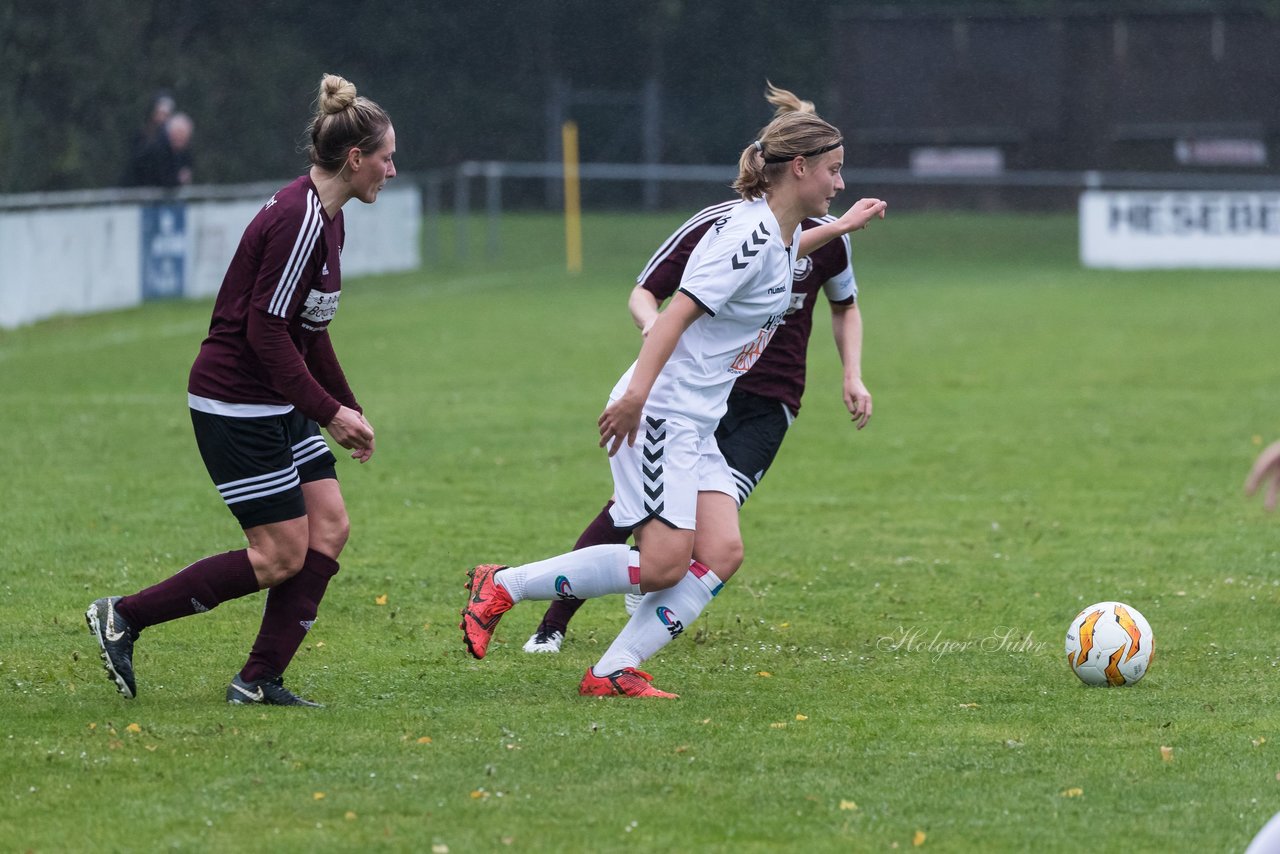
(661, 617)
(582, 574)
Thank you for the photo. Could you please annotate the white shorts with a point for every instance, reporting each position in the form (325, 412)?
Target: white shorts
(660, 476)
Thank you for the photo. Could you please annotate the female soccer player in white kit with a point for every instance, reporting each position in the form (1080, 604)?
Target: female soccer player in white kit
(674, 481)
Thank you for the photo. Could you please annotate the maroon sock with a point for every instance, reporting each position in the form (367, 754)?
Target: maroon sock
(601, 531)
(201, 587)
(291, 610)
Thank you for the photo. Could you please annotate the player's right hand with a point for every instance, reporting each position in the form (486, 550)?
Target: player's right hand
(619, 421)
(350, 430)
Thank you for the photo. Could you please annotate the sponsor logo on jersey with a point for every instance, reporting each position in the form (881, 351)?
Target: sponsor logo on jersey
(271, 201)
(668, 618)
(564, 590)
(319, 308)
(720, 223)
(752, 351)
(797, 302)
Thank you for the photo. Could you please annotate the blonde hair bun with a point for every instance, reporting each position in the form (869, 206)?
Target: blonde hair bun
(336, 94)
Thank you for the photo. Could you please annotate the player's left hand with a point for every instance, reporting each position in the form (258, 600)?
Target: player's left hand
(857, 399)
(860, 214)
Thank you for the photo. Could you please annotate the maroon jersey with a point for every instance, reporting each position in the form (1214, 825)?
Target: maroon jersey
(268, 342)
(780, 372)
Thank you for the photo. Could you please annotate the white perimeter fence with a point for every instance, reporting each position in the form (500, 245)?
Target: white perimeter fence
(88, 251)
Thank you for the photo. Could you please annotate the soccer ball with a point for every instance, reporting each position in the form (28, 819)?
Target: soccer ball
(1109, 643)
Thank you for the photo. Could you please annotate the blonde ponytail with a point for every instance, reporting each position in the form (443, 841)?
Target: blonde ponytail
(786, 101)
(796, 131)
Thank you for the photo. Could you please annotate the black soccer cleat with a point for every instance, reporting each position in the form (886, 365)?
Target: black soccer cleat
(115, 636)
(265, 692)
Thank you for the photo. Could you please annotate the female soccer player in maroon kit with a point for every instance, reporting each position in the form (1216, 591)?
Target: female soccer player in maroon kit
(266, 379)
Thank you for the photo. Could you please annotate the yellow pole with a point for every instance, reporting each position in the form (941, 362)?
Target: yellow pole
(572, 199)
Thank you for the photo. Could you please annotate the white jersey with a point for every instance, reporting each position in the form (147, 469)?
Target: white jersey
(740, 274)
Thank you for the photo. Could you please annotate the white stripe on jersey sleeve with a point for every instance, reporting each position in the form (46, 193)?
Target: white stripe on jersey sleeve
(842, 287)
(702, 217)
(307, 235)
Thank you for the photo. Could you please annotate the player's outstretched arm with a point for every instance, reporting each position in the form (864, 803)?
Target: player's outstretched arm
(1266, 469)
(856, 217)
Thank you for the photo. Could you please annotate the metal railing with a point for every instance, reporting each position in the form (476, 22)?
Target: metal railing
(494, 173)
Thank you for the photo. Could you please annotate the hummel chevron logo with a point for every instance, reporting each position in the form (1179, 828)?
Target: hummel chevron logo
(751, 247)
(651, 473)
(655, 423)
(252, 696)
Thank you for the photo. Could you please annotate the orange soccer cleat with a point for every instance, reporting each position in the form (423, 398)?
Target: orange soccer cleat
(627, 682)
(485, 606)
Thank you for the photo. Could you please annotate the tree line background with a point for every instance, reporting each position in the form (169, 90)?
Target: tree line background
(460, 80)
(476, 80)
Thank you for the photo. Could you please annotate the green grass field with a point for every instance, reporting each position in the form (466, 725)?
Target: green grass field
(886, 670)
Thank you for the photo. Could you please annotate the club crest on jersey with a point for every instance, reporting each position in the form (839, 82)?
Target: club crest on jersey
(668, 618)
(801, 269)
(564, 590)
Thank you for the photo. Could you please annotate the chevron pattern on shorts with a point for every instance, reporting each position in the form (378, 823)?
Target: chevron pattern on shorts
(751, 247)
(655, 436)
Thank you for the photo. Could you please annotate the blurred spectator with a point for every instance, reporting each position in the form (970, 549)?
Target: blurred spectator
(161, 156)
(159, 110)
(166, 162)
(178, 131)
